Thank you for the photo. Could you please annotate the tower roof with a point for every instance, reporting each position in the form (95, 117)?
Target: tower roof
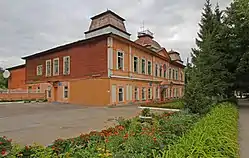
(107, 12)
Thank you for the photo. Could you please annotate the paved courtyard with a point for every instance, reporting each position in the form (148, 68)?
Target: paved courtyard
(44, 122)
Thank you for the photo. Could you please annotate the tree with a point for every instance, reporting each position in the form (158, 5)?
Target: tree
(3, 81)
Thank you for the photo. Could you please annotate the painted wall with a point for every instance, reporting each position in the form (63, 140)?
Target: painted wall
(17, 79)
(86, 59)
(95, 92)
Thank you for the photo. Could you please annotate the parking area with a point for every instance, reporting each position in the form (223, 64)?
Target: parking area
(44, 122)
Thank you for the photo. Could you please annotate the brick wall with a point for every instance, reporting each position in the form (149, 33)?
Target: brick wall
(21, 96)
(17, 78)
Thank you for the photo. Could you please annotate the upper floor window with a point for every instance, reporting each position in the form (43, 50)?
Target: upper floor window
(156, 70)
(173, 74)
(56, 67)
(143, 66)
(135, 64)
(160, 71)
(136, 93)
(176, 74)
(170, 77)
(120, 61)
(66, 65)
(149, 67)
(150, 93)
(39, 70)
(48, 67)
(164, 73)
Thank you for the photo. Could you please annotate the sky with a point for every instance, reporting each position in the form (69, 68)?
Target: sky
(28, 26)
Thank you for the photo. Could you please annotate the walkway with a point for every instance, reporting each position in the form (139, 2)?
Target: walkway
(244, 128)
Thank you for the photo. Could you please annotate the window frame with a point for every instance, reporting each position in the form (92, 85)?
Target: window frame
(50, 68)
(160, 70)
(118, 60)
(64, 88)
(137, 64)
(143, 94)
(58, 73)
(122, 94)
(156, 70)
(64, 65)
(143, 72)
(37, 70)
(149, 69)
(150, 93)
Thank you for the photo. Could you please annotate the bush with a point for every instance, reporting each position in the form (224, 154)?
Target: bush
(216, 135)
(5, 146)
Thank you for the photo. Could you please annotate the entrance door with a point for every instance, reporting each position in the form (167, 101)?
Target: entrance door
(55, 93)
(114, 93)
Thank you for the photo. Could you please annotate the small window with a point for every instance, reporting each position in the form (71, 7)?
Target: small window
(30, 89)
(56, 67)
(38, 89)
(173, 74)
(143, 93)
(143, 66)
(49, 92)
(120, 94)
(157, 92)
(135, 64)
(160, 71)
(120, 61)
(156, 70)
(170, 77)
(39, 70)
(66, 65)
(149, 67)
(164, 73)
(150, 93)
(48, 67)
(136, 95)
(65, 91)
(176, 74)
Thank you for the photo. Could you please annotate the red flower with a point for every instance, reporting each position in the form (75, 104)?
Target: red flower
(53, 148)
(10, 140)
(27, 147)
(1, 143)
(126, 136)
(3, 152)
(154, 139)
(106, 140)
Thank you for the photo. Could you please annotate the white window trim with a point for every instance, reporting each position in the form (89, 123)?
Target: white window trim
(119, 51)
(64, 92)
(137, 64)
(144, 91)
(144, 66)
(150, 93)
(64, 59)
(48, 61)
(37, 70)
(54, 66)
(156, 70)
(122, 94)
(150, 67)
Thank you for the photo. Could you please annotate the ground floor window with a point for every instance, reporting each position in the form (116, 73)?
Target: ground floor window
(143, 94)
(120, 94)
(38, 90)
(157, 96)
(150, 93)
(65, 91)
(136, 95)
(166, 93)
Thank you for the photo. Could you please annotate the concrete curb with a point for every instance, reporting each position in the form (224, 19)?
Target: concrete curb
(18, 102)
(163, 109)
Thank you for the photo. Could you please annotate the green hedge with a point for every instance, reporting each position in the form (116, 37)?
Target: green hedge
(216, 135)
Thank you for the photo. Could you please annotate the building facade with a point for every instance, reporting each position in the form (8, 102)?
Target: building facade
(107, 68)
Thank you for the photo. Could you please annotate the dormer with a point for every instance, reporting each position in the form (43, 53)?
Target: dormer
(107, 22)
(175, 56)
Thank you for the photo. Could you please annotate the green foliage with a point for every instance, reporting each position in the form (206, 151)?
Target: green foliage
(5, 146)
(175, 104)
(3, 82)
(215, 135)
(146, 112)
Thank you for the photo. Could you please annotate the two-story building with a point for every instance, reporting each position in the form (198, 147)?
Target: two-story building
(106, 67)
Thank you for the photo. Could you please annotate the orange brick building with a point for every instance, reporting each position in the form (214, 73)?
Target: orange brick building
(106, 67)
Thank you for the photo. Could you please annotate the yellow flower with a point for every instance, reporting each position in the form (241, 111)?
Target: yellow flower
(107, 151)
(100, 155)
(99, 149)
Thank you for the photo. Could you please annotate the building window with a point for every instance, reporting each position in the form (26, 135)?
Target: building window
(143, 66)
(136, 95)
(164, 73)
(143, 93)
(29, 89)
(49, 92)
(120, 61)
(135, 64)
(170, 77)
(48, 67)
(56, 67)
(120, 94)
(160, 71)
(157, 96)
(65, 91)
(150, 93)
(177, 92)
(39, 70)
(38, 89)
(176, 74)
(156, 70)
(149, 67)
(66, 65)
(173, 74)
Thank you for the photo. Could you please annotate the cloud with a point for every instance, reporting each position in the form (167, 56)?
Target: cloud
(28, 26)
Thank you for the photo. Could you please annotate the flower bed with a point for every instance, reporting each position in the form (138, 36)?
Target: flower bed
(131, 138)
(216, 135)
(174, 104)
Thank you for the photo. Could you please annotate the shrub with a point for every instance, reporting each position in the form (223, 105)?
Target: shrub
(146, 112)
(214, 136)
(5, 146)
